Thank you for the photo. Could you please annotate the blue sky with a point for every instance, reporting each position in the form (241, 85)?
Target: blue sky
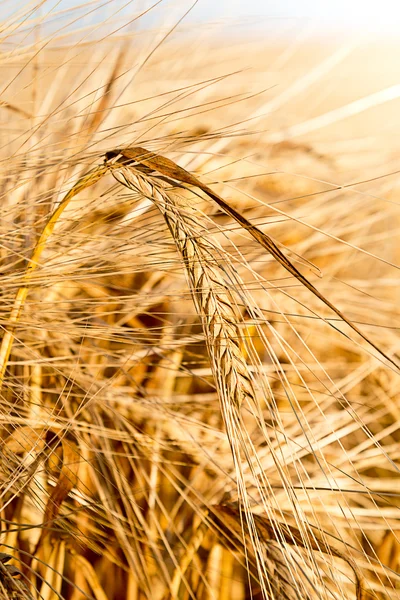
(346, 13)
(379, 16)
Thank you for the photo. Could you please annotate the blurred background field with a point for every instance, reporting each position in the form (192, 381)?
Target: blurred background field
(121, 476)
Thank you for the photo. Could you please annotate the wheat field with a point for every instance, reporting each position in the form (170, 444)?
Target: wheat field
(200, 351)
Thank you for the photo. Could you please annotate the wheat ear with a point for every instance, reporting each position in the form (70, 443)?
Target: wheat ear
(213, 298)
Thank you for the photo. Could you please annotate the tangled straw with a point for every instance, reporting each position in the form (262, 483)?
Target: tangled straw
(156, 177)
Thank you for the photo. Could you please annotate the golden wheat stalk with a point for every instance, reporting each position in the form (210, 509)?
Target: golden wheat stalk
(217, 306)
